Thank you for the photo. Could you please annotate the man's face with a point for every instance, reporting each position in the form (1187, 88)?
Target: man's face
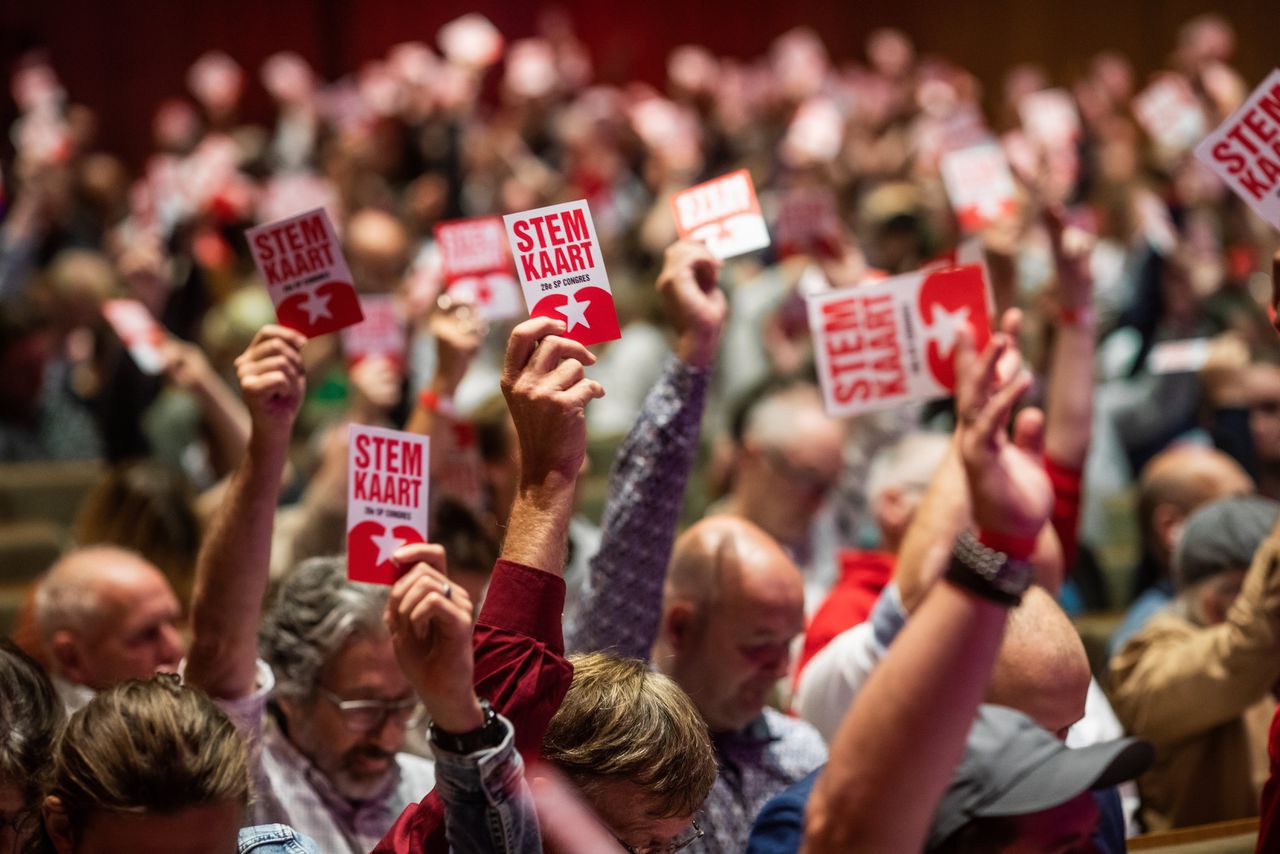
(357, 763)
(1261, 390)
(631, 815)
(740, 652)
(1217, 593)
(137, 631)
(211, 829)
(792, 480)
(18, 822)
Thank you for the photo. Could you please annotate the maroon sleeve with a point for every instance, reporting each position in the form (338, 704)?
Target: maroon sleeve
(1269, 824)
(1066, 508)
(520, 669)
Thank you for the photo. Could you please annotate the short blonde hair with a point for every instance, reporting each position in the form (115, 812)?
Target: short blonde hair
(153, 746)
(624, 722)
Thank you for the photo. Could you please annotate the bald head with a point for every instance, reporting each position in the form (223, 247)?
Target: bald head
(377, 248)
(724, 556)
(732, 605)
(105, 614)
(1042, 668)
(1176, 482)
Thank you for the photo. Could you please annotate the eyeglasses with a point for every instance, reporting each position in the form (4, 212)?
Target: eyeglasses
(370, 715)
(684, 840)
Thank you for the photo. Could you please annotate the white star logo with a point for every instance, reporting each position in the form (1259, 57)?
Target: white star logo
(946, 324)
(575, 312)
(316, 305)
(387, 544)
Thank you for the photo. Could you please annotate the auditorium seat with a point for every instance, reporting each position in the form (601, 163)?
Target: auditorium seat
(1228, 837)
(51, 491)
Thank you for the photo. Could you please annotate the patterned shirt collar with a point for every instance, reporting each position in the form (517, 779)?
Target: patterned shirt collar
(368, 817)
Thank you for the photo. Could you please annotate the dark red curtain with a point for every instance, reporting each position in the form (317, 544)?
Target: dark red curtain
(123, 57)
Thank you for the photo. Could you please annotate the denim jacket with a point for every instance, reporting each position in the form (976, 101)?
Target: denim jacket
(488, 809)
(274, 839)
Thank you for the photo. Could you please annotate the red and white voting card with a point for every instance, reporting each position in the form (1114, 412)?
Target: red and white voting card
(557, 257)
(1169, 112)
(980, 185)
(142, 335)
(807, 223)
(1244, 150)
(723, 213)
(301, 261)
(887, 343)
(477, 265)
(381, 333)
(387, 473)
(1050, 118)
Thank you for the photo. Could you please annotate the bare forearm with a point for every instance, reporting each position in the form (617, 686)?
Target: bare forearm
(231, 576)
(897, 749)
(1069, 403)
(538, 527)
(943, 513)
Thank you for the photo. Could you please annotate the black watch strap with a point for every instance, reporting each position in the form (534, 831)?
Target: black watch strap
(988, 573)
(485, 737)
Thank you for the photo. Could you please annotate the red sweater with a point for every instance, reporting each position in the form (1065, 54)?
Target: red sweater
(520, 669)
(862, 576)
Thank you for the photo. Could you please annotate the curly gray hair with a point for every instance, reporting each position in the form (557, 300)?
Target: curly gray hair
(316, 611)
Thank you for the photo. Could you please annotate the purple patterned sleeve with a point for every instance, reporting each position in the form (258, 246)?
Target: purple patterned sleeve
(621, 602)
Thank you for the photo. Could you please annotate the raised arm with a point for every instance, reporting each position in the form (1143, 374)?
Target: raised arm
(225, 416)
(232, 568)
(946, 509)
(479, 775)
(622, 601)
(899, 745)
(455, 459)
(546, 388)
(1069, 396)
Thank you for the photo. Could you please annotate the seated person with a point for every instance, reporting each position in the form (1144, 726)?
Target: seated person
(327, 719)
(30, 717)
(892, 782)
(151, 767)
(896, 482)
(716, 609)
(1172, 485)
(646, 795)
(1197, 680)
(103, 615)
(627, 738)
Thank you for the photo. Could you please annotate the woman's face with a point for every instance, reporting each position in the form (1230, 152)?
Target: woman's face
(211, 829)
(17, 820)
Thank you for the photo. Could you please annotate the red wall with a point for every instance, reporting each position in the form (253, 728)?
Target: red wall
(123, 57)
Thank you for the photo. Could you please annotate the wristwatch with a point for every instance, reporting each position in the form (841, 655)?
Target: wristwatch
(988, 573)
(485, 737)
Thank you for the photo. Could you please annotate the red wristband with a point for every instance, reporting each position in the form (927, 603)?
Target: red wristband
(1017, 548)
(432, 402)
(1082, 316)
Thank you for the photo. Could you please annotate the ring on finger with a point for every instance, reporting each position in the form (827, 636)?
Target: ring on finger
(447, 590)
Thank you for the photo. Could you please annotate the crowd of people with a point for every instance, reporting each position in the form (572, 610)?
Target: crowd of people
(668, 602)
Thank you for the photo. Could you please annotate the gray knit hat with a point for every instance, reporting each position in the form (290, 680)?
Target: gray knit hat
(1222, 536)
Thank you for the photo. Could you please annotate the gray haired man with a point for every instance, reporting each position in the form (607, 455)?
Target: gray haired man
(329, 723)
